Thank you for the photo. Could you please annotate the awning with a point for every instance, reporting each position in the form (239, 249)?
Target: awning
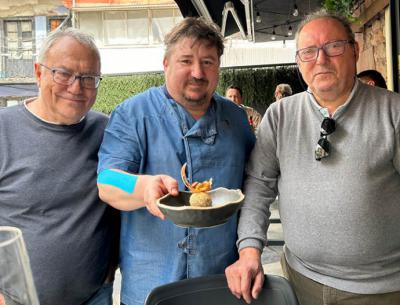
(229, 15)
(257, 20)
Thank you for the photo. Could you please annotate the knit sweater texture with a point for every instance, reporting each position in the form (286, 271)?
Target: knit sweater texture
(340, 215)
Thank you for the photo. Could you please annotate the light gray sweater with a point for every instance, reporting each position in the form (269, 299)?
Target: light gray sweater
(341, 215)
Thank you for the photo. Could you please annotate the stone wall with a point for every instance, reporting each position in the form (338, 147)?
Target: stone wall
(372, 42)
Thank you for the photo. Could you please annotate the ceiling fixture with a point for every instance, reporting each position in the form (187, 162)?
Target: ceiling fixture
(230, 8)
(273, 34)
(258, 17)
(295, 10)
(290, 31)
(202, 9)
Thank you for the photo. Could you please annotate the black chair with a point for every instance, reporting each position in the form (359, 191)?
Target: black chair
(213, 290)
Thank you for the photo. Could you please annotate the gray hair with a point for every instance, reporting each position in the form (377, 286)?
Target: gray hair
(82, 37)
(198, 29)
(284, 89)
(324, 14)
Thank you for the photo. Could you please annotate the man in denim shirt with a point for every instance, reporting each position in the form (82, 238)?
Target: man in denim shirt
(156, 132)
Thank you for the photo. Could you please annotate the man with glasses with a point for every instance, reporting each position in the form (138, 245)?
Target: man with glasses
(48, 161)
(332, 153)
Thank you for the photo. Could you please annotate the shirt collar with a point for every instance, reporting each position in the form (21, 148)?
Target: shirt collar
(341, 109)
(204, 128)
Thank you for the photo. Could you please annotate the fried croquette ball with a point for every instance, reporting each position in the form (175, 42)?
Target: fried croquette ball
(201, 199)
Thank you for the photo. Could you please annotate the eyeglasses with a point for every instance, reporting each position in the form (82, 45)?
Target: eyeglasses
(331, 49)
(322, 150)
(66, 78)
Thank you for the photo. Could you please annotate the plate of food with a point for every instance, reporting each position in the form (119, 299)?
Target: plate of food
(201, 206)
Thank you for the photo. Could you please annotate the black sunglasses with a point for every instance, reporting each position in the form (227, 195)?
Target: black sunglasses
(328, 126)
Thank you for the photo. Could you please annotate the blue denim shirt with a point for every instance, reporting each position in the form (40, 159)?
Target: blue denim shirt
(152, 134)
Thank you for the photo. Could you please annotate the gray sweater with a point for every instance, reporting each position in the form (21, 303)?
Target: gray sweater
(341, 215)
(48, 189)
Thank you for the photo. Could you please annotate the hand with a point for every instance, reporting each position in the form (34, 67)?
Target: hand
(245, 272)
(156, 187)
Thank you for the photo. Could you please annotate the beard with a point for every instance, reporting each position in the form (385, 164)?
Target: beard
(197, 100)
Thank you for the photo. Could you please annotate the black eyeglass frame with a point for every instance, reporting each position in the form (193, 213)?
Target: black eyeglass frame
(73, 77)
(324, 47)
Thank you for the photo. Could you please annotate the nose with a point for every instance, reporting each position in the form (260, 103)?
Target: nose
(197, 70)
(76, 85)
(321, 56)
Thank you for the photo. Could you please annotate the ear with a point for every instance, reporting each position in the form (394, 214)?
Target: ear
(38, 73)
(371, 82)
(165, 63)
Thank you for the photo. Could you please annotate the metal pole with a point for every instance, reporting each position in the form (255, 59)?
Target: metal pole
(395, 27)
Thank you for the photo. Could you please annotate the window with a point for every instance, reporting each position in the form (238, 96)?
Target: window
(19, 47)
(55, 21)
(134, 27)
(126, 27)
(162, 21)
(92, 23)
(19, 39)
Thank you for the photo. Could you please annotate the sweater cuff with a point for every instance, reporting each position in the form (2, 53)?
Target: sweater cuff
(251, 243)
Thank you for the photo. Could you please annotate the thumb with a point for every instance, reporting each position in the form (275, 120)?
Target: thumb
(170, 184)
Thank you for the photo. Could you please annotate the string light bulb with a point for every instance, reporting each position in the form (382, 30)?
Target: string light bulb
(290, 31)
(295, 10)
(273, 34)
(258, 17)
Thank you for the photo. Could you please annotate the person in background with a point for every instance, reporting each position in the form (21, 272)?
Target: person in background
(340, 219)
(48, 162)
(234, 93)
(373, 78)
(157, 132)
(282, 90)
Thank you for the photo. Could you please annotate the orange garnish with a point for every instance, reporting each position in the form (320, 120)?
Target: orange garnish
(195, 187)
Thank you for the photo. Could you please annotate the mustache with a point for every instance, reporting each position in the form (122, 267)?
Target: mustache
(197, 81)
(324, 70)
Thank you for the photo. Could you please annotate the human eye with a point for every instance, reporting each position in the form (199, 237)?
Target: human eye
(185, 61)
(307, 53)
(208, 62)
(335, 48)
(90, 81)
(335, 45)
(62, 75)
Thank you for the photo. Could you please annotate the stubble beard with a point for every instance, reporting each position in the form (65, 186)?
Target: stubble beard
(196, 102)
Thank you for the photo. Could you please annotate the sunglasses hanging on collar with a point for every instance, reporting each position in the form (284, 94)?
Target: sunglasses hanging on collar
(322, 150)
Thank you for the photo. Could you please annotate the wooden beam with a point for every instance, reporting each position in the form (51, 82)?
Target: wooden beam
(368, 13)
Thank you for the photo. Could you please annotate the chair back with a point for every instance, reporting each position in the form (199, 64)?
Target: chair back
(213, 290)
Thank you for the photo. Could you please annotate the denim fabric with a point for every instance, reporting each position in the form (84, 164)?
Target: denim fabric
(152, 134)
(103, 296)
